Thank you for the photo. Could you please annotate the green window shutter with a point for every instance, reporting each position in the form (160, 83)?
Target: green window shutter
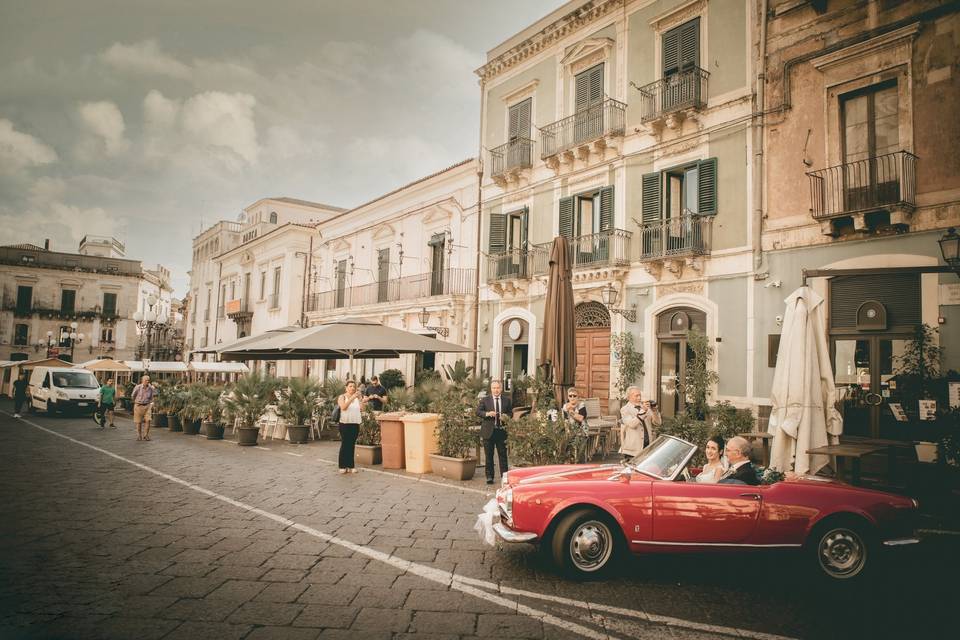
(606, 208)
(651, 210)
(689, 45)
(519, 119)
(670, 52)
(707, 186)
(588, 87)
(498, 234)
(383, 265)
(566, 216)
(524, 228)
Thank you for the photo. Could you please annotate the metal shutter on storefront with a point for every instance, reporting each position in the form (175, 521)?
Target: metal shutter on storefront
(899, 293)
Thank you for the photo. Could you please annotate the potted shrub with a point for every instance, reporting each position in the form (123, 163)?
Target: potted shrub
(213, 415)
(368, 449)
(297, 404)
(175, 399)
(330, 390)
(192, 412)
(247, 401)
(456, 439)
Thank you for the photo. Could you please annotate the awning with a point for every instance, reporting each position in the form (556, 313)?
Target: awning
(103, 364)
(239, 342)
(218, 367)
(157, 366)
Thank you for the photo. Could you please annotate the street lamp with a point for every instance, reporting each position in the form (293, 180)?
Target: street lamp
(74, 338)
(610, 295)
(950, 249)
(425, 318)
(149, 321)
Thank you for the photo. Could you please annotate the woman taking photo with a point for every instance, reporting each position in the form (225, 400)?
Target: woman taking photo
(349, 404)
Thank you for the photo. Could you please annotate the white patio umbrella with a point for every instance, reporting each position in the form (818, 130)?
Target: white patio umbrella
(804, 414)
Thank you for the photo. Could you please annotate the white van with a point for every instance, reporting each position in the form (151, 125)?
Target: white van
(54, 389)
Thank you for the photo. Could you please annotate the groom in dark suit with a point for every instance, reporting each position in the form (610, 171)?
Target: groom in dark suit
(495, 409)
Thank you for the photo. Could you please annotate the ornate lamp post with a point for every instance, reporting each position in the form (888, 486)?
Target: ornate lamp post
(149, 321)
(425, 318)
(74, 338)
(950, 249)
(610, 295)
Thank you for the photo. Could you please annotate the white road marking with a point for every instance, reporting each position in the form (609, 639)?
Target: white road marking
(290, 453)
(264, 448)
(471, 586)
(446, 578)
(416, 479)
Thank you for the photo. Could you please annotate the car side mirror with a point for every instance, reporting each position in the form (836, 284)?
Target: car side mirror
(624, 475)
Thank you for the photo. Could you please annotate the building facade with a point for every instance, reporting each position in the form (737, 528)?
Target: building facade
(410, 252)
(860, 175)
(48, 296)
(626, 127)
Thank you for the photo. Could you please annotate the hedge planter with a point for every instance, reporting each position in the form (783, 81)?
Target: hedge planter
(299, 433)
(158, 420)
(191, 427)
(213, 430)
(173, 421)
(367, 454)
(453, 468)
(247, 436)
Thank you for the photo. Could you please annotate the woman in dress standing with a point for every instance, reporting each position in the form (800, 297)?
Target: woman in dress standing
(716, 465)
(349, 404)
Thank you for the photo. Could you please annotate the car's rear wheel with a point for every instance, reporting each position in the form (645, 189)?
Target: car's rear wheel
(842, 550)
(585, 543)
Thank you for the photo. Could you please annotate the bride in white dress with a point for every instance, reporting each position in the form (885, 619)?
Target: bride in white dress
(716, 464)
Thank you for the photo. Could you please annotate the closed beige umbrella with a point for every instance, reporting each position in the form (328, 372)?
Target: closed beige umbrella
(559, 348)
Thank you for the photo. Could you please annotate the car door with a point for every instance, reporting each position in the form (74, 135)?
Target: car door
(690, 513)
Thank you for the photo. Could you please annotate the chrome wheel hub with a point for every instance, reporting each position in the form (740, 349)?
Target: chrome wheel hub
(591, 545)
(842, 553)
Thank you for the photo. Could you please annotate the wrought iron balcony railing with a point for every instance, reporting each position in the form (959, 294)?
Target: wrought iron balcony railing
(684, 90)
(510, 265)
(423, 285)
(606, 248)
(864, 185)
(602, 118)
(238, 308)
(516, 154)
(687, 235)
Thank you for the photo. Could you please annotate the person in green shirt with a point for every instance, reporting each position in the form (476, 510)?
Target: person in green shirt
(107, 395)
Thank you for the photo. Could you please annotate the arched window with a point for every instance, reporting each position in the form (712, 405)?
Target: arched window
(273, 217)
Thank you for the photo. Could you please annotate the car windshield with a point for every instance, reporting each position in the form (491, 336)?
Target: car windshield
(75, 380)
(664, 458)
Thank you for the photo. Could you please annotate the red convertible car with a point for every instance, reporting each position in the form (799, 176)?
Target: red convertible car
(585, 516)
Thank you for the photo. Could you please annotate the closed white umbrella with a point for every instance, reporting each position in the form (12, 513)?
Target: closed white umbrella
(804, 414)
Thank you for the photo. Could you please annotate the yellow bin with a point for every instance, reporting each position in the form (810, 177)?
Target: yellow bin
(419, 440)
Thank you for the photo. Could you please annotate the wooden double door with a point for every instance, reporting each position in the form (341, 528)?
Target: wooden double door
(593, 364)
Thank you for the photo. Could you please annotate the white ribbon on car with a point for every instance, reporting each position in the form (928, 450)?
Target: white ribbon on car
(484, 525)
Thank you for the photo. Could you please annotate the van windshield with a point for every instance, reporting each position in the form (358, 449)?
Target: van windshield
(75, 380)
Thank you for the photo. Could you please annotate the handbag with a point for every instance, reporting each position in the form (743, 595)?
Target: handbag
(335, 415)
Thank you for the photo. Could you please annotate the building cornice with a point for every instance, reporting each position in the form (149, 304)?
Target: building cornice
(552, 33)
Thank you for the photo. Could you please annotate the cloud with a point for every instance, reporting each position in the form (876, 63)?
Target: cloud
(20, 150)
(105, 122)
(211, 126)
(144, 57)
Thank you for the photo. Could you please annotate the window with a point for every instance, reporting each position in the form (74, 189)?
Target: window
(588, 87)
(273, 217)
(519, 120)
(871, 134)
(68, 298)
(587, 213)
(341, 282)
(263, 285)
(109, 305)
(681, 48)
(233, 289)
(24, 300)
(64, 338)
(21, 334)
(106, 335)
(436, 244)
(383, 274)
(223, 293)
(508, 242)
(276, 281)
(672, 201)
(206, 314)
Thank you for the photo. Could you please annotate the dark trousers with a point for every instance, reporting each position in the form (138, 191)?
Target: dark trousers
(348, 441)
(18, 403)
(497, 439)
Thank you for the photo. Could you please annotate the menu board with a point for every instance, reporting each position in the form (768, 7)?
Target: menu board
(954, 395)
(898, 411)
(928, 409)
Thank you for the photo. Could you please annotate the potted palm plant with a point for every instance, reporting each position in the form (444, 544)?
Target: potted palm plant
(247, 401)
(192, 411)
(368, 449)
(297, 404)
(213, 414)
(175, 399)
(330, 390)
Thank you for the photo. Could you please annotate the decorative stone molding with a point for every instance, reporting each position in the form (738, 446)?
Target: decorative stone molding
(552, 33)
(655, 269)
(677, 15)
(869, 47)
(522, 93)
(685, 287)
(675, 266)
(588, 53)
(384, 232)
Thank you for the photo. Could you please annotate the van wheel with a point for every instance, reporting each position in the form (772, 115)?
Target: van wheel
(586, 544)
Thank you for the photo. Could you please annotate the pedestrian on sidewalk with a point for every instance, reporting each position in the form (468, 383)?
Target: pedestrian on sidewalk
(107, 401)
(142, 396)
(494, 410)
(349, 404)
(19, 393)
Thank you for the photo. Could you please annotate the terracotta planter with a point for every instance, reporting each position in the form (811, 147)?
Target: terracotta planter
(391, 440)
(453, 468)
(367, 454)
(213, 430)
(158, 420)
(173, 421)
(191, 427)
(299, 433)
(247, 436)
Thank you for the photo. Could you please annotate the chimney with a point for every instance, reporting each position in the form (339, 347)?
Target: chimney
(46, 244)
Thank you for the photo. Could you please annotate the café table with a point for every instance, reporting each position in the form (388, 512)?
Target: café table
(854, 451)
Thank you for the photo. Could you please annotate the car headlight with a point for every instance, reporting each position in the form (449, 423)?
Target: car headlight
(62, 395)
(508, 501)
(503, 478)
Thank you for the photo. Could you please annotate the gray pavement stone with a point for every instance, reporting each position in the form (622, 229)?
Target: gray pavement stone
(187, 587)
(508, 626)
(282, 591)
(377, 619)
(192, 630)
(237, 590)
(432, 621)
(202, 609)
(326, 616)
(332, 595)
(265, 613)
(283, 633)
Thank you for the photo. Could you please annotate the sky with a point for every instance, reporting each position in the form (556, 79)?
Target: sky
(149, 121)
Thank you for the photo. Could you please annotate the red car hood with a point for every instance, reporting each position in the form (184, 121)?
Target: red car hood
(561, 473)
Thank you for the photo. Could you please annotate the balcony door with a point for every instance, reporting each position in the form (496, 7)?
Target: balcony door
(681, 57)
(518, 135)
(24, 300)
(437, 245)
(383, 274)
(588, 104)
(674, 356)
(871, 134)
(587, 220)
(341, 283)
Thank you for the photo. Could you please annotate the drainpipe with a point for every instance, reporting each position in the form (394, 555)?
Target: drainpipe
(758, 141)
(308, 259)
(476, 288)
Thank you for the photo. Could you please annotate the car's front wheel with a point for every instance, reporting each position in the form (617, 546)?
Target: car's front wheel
(842, 550)
(585, 543)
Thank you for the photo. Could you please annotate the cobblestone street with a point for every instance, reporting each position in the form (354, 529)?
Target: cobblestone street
(182, 537)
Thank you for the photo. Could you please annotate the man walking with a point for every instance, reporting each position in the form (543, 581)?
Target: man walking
(107, 400)
(19, 393)
(376, 394)
(142, 398)
(494, 409)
